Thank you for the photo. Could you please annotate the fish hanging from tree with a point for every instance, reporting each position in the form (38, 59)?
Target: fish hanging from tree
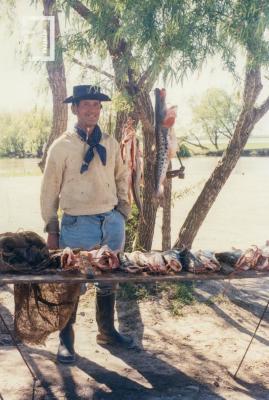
(137, 178)
(132, 156)
(166, 144)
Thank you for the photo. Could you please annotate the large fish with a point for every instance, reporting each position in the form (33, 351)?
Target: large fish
(164, 120)
(132, 157)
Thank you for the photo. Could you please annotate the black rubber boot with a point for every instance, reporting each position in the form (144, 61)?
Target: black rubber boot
(105, 305)
(66, 353)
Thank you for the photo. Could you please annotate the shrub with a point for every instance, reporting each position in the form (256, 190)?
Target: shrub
(24, 134)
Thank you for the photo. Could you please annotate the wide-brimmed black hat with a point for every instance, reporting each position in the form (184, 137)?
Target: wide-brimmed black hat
(86, 92)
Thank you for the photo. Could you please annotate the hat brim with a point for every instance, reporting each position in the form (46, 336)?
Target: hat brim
(97, 96)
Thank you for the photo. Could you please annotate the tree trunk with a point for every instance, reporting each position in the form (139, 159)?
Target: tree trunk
(247, 119)
(166, 223)
(146, 115)
(57, 82)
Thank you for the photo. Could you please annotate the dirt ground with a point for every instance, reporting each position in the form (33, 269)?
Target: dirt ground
(192, 356)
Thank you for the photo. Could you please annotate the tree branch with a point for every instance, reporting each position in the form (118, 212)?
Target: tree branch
(254, 86)
(260, 111)
(88, 15)
(199, 144)
(82, 10)
(145, 76)
(92, 67)
(230, 133)
(148, 77)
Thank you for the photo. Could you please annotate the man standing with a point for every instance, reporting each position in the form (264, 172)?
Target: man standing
(86, 177)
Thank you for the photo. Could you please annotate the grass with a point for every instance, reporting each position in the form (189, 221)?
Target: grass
(179, 296)
(219, 298)
(258, 145)
(176, 295)
(128, 291)
(251, 145)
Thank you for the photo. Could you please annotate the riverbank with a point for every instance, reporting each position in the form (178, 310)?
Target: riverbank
(19, 167)
(244, 153)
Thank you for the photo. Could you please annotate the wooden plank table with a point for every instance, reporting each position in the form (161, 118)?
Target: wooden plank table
(125, 277)
(69, 278)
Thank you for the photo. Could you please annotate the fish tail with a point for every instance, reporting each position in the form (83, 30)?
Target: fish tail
(159, 196)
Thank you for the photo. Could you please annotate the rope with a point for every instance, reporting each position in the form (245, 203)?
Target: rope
(251, 340)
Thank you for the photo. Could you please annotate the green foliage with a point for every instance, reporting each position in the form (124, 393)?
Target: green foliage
(246, 25)
(215, 115)
(122, 102)
(219, 298)
(175, 295)
(171, 36)
(129, 291)
(24, 134)
(131, 228)
(184, 151)
(180, 295)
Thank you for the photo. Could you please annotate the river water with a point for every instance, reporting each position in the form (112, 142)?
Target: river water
(238, 218)
(11, 167)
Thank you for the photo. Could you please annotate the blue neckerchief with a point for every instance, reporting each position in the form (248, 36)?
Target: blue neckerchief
(93, 142)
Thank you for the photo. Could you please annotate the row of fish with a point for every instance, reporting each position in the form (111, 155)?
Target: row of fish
(255, 257)
(154, 262)
(167, 262)
(26, 252)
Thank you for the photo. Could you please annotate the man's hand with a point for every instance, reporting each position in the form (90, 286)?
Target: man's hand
(53, 241)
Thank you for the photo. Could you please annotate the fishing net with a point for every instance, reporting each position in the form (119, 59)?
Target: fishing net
(23, 252)
(39, 309)
(43, 309)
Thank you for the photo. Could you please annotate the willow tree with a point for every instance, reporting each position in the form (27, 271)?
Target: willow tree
(215, 115)
(144, 40)
(55, 68)
(57, 80)
(245, 28)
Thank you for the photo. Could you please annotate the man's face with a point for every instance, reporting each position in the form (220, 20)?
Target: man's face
(87, 112)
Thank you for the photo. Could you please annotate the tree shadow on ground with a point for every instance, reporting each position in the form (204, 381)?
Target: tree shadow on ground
(130, 320)
(166, 383)
(254, 308)
(256, 389)
(168, 380)
(112, 385)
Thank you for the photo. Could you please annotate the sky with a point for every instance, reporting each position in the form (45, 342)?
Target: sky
(23, 86)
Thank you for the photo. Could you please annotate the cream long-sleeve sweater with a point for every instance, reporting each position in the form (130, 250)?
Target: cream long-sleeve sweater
(97, 190)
